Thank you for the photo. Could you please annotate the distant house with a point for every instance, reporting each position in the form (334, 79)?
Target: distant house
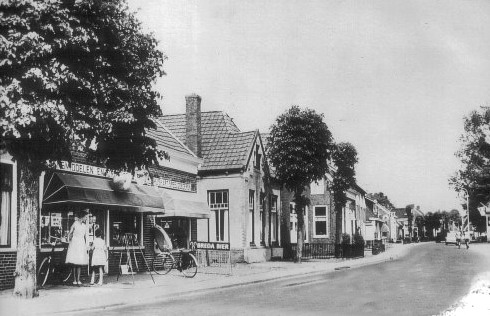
(235, 178)
(402, 218)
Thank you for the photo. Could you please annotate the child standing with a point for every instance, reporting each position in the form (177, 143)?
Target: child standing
(99, 256)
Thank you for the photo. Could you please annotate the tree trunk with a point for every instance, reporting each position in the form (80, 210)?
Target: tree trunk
(301, 227)
(25, 270)
(338, 230)
(300, 234)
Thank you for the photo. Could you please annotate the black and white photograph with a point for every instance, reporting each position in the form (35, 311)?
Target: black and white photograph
(245, 157)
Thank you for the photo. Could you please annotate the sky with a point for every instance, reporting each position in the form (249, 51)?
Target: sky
(394, 78)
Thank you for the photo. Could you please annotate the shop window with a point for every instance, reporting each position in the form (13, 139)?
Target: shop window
(320, 221)
(7, 179)
(122, 223)
(219, 206)
(274, 218)
(57, 224)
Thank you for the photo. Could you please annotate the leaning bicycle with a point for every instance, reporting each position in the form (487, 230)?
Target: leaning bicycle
(165, 257)
(182, 260)
(49, 267)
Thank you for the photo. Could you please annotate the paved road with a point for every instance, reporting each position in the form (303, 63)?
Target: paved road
(425, 282)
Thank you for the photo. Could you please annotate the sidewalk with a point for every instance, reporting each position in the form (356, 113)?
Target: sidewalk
(62, 299)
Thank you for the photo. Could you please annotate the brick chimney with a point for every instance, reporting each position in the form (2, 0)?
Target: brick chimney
(193, 136)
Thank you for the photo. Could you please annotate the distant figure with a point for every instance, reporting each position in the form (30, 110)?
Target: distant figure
(466, 240)
(458, 238)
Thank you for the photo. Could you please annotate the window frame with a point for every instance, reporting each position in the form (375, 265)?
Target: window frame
(251, 211)
(12, 246)
(274, 221)
(219, 209)
(320, 218)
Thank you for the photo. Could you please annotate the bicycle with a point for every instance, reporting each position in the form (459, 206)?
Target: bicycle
(186, 262)
(49, 265)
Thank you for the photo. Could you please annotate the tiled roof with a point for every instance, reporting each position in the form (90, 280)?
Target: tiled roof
(224, 146)
(166, 139)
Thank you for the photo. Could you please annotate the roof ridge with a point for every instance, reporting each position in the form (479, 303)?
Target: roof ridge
(176, 138)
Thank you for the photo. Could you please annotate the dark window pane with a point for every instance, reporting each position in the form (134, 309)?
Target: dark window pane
(321, 228)
(320, 211)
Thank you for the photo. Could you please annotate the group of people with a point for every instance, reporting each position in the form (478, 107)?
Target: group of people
(460, 235)
(79, 248)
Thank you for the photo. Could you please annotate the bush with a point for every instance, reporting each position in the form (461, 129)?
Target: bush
(358, 239)
(345, 239)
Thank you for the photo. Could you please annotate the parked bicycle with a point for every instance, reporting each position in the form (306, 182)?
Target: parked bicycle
(50, 267)
(165, 257)
(186, 262)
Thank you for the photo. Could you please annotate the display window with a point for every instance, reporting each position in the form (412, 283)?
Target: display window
(122, 223)
(57, 224)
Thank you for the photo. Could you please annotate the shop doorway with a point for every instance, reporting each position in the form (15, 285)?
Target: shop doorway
(177, 228)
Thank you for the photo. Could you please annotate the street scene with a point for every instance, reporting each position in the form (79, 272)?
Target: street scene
(244, 157)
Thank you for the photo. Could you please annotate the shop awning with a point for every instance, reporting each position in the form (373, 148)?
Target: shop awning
(184, 204)
(74, 188)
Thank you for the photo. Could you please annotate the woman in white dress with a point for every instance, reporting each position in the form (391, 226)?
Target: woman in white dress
(78, 247)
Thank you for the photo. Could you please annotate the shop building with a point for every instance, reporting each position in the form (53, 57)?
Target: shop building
(235, 179)
(166, 194)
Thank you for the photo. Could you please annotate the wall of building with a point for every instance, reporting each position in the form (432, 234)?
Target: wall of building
(324, 199)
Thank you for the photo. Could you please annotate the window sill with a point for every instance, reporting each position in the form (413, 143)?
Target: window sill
(49, 249)
(8, 249)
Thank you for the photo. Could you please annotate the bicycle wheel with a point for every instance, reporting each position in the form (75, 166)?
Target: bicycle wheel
(189, 265)
(43, 272)
(162, 264)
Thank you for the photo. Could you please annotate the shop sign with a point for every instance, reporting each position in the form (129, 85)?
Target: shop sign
(55, 219)
(85, 169)
(209, 245)
(141, 177)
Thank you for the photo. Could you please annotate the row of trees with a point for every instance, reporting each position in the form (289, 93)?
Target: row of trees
(300, 148)
(474, 154)
(438, 220)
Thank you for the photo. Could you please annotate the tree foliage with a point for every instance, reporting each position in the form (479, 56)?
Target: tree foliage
(299, 148)
(344, 158)
(77, 75)
(474, 154)
(383, 200)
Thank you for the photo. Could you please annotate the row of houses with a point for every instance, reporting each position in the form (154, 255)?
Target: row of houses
(216, 191)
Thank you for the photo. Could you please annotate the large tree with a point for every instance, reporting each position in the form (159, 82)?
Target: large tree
(344, 158)
(75, 75)
(299, 147)
(474, 175)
